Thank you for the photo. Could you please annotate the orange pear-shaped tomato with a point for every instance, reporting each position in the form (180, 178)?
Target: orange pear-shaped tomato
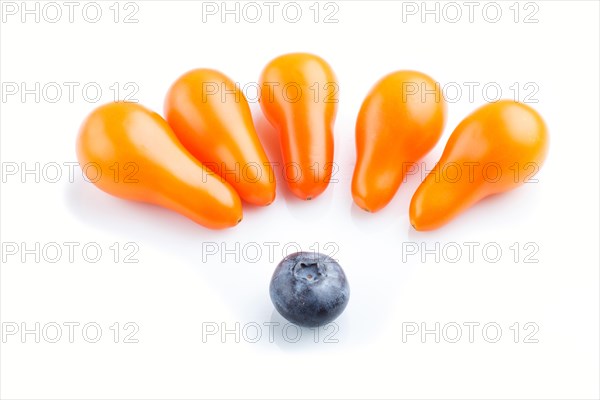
(299, 95)
(131, 152)
(496, 148)
(400, 121)
(211, 117)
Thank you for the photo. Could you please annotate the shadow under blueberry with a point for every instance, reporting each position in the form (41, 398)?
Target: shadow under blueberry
(291, 337)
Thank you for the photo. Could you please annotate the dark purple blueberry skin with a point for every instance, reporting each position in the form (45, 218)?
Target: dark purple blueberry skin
(309, 289)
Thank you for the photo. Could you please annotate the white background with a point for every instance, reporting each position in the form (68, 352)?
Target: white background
(170, 293)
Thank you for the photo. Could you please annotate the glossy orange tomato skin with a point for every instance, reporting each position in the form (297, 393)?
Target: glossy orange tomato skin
(211, 117)
(400, 120)
(127, 137)
(495, 149)
(299, 96)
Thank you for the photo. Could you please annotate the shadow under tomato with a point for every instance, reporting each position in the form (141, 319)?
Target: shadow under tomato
(395, 213)
(490, 214)
(180, 238)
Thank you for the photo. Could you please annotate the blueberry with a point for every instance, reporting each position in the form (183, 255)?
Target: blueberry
(309, 289)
